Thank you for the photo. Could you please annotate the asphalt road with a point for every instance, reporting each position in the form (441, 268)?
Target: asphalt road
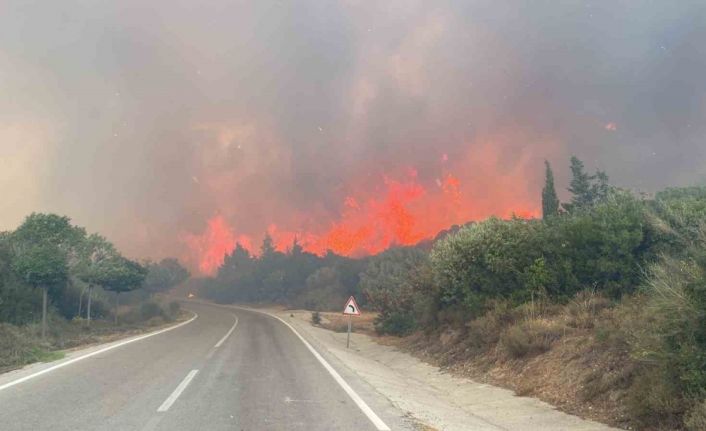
(209, 374)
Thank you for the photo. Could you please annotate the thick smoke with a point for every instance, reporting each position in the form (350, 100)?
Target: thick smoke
(152, 122)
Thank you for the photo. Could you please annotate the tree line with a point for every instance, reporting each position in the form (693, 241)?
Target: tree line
(48, 262)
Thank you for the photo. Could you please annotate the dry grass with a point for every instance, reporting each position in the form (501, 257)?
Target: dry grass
(530, 337)
(22, 345)
(542, 350)
(696, 418)
(337, 322)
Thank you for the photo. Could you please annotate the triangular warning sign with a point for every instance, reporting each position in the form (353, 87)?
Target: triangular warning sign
(351, 307)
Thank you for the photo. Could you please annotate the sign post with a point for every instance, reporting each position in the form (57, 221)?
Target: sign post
(351, 309)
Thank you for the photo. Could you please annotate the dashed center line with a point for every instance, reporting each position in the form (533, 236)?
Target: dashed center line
(179, 389)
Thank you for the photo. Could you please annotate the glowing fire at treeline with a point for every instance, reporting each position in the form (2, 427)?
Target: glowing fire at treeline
(400, 212)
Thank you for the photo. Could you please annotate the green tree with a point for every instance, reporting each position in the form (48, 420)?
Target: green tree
(164, 275)
(586, 190)
(388, 283)
(55, 243)
(42, 266)
(580, 187)
(39, 228)
(324, 290)
(18, 302)
(550, 201)
(94, 250)
(267, 249)
(118, 274)
(600, 188)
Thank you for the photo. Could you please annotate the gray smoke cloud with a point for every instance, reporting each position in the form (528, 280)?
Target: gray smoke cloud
(142, 120)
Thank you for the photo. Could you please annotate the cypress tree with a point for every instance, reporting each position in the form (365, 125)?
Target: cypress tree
(550, 202)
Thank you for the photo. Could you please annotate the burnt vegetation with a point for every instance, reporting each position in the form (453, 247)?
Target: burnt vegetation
(624, 272)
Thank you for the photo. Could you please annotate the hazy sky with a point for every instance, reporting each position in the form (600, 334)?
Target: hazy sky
(145, 119)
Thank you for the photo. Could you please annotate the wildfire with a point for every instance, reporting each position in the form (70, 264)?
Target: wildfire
(401, 212)
(214, 244)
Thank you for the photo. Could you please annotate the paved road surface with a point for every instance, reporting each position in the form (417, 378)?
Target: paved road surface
(197, 377)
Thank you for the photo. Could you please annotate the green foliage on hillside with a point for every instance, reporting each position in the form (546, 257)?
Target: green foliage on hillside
(47, 251)
(293, 277)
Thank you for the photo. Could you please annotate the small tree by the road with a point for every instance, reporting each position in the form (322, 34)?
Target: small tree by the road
(42, 266)
(46, 247)
(94, 250)
(118, 274)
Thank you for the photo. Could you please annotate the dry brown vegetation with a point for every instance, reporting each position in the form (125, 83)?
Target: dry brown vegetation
(21, 345)
(337, 322)
(573, 356)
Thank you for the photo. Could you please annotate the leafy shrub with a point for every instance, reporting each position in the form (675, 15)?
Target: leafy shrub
(316, 318)
(397, 282)
(529, 338)
(15, 345)
(671, 341)
(174, 308)
(149, 310)
(395, 323)
(485, 260)
(324, 291)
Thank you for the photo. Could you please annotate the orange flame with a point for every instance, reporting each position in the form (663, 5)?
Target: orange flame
(401, 211)
(212, 246)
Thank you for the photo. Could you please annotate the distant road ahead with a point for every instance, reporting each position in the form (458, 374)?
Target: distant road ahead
(210, 374)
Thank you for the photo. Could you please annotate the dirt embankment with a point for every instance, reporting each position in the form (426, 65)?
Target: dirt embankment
(572, 375)
(433, 396)
(556, 358)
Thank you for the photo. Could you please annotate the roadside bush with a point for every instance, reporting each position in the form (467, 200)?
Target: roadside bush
(670, 343)
(324, 291)
(149, 310)
(316, 318)
(529, 338)
(395, 323)
(582, 311)
(485, 260)
(174, 309)
(485, 331)
(16, 345)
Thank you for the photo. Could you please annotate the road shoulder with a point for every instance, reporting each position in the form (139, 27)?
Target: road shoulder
(434, 398)
(29, 371)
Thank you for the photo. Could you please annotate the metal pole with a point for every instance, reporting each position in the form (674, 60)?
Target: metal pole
(348, 341)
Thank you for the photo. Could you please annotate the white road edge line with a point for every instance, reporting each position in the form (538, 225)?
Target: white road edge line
(97, 352)
(179, 389)
(225, 337)
(375, 419)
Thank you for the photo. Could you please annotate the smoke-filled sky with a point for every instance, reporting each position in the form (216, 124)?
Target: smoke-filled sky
(177, 128)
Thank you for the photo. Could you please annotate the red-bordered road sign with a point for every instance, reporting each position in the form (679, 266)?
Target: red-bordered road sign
(351, 307)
